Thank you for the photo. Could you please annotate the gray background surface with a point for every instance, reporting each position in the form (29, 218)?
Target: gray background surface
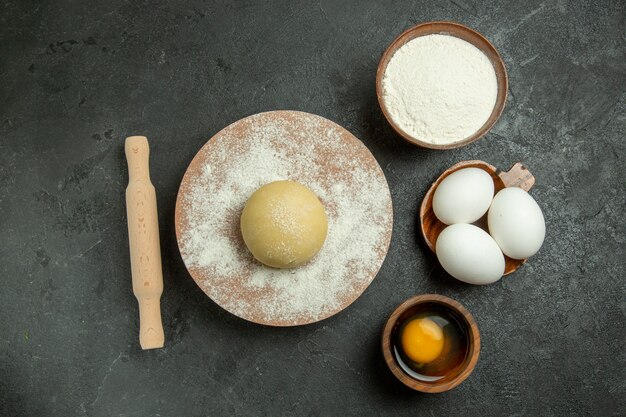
(76, 78)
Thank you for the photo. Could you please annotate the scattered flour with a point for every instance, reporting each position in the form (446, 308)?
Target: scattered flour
(314, 152)
(439, 88)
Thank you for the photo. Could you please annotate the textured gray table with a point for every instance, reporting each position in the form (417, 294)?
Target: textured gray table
(77, 77)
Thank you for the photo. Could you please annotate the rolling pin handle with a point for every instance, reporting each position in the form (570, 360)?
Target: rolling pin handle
(137, 154)
(150, 328)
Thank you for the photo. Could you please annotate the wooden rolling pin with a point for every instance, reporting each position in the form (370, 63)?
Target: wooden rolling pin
(143, 237)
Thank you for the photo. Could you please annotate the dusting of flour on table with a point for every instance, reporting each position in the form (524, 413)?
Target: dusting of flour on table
(439, 88)
(265, 148)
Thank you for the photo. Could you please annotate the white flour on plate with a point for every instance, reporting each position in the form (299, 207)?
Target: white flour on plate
(439, 88)
(343, 175)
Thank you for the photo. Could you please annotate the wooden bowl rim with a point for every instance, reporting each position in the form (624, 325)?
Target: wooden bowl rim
(436, 386)
(442, 26)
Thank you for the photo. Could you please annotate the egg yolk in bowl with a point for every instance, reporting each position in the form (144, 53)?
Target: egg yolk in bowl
(422, 340)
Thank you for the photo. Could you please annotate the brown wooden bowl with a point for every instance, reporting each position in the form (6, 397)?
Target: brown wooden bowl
(431, 226)
(446, 383)
(468, 35)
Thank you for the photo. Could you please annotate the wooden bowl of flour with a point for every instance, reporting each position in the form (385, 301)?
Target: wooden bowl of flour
(461, 32)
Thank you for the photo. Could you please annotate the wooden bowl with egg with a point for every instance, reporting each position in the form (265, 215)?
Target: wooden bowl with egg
(462, 32)
(467, 359)
(431, 226)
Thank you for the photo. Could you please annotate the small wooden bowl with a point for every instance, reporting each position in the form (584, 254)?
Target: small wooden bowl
(431, 226)
(446, 383)
(468, 35)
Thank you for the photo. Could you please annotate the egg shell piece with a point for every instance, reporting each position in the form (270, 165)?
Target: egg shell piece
(469, 254)
(463, 196)
(516, 223)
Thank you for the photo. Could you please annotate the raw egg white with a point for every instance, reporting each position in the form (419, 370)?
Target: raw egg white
(469, 254)
(463, 196)
(516, 223)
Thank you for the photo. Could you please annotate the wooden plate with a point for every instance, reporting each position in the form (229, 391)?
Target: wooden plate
(517, 176)
(468, 35)
(312, 151)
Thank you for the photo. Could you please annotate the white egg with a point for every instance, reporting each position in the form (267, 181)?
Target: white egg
(516, 223)
(469, 254)
(463, 196)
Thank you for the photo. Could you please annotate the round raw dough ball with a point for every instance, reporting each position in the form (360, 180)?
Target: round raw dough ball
(284, 224)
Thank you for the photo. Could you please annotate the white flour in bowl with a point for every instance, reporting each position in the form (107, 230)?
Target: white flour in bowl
(439, 88)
